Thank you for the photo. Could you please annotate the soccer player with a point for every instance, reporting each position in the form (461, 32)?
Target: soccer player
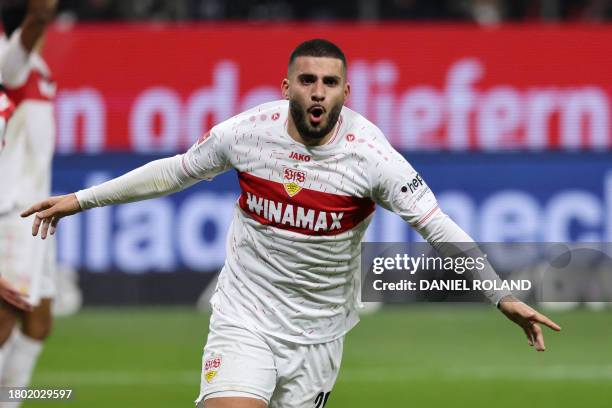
(7, 292)
(310, 171)
(25, 168)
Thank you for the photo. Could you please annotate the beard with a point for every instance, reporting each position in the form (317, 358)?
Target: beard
(306, 130)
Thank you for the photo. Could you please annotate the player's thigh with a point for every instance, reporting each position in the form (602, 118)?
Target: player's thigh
(22, 258)
(8, 318)
(237, 363)
(234, 402)
(37, 323)
(307, 374)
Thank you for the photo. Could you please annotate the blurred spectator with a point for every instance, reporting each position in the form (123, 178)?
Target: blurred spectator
(153, 9)
(419, 10)
(207, 9)
(480, 11)
(586, 10)
(326, 10)
(269, 10)
(487, 12)
(89, 9)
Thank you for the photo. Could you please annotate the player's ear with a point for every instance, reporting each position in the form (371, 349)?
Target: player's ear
(285, 88)
(347, 90)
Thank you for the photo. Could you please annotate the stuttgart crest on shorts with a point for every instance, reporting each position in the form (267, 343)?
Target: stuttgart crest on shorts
(293, 180)
(211, 367)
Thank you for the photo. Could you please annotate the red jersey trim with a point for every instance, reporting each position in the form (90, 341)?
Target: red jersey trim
(340, 120)
(37, 87)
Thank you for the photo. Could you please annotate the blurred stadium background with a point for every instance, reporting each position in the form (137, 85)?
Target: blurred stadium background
(503, 106)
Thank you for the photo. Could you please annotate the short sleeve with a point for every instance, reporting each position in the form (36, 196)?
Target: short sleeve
(208, 157)
(398, 187)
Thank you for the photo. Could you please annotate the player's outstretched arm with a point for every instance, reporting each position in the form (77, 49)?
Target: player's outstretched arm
(441, 230)
(154, 179)
(398, 187)
(50, 211)
(528, 319)
(12, 296)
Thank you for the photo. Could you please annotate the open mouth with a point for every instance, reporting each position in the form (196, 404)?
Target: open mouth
(315, 114)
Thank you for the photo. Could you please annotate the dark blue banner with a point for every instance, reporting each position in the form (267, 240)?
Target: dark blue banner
(552, 197)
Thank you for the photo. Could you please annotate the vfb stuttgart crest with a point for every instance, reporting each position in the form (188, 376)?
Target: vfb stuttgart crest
(293, 180)
(211, 367)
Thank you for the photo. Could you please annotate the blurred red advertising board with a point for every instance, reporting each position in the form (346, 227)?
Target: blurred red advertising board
(157, 88)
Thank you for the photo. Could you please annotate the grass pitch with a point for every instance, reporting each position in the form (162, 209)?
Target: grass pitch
(418, 356)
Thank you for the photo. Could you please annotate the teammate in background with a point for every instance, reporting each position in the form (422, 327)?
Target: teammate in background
(310, 171)
(25, 165)
(7, 292)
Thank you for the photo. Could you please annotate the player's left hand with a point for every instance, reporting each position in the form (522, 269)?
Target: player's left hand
(528, 319)
(12, 296)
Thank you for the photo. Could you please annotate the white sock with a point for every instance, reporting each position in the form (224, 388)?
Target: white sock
(5, 349)
(2, 358)
(19, 361)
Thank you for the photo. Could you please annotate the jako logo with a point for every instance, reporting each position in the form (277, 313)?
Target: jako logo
(299, 156)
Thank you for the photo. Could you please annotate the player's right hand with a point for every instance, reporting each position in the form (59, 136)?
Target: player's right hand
(50, 211)
(12, 296)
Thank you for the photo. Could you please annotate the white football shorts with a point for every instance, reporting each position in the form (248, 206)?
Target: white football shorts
(27, 262)
(238, 362)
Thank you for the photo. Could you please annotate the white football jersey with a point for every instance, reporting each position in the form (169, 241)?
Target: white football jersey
(25, 161)
(6, 111)
(293, 250)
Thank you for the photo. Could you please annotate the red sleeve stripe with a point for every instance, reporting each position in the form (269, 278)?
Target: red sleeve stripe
(427, 216)
(184, 165)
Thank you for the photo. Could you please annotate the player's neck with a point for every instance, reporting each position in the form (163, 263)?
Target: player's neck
(295, 135)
